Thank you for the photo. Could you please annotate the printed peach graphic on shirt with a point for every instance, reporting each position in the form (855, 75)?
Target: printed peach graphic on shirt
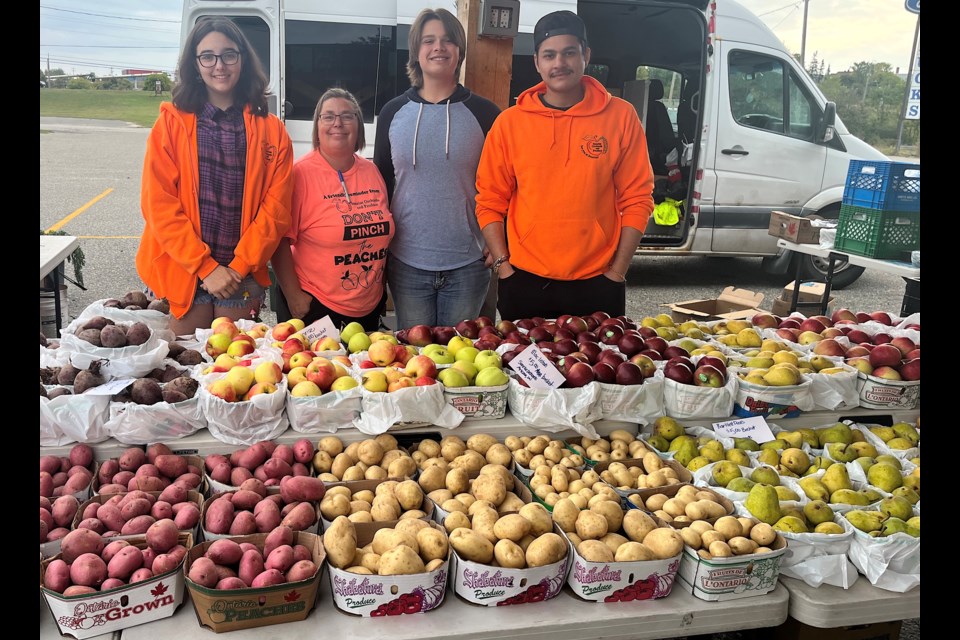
(349, 281)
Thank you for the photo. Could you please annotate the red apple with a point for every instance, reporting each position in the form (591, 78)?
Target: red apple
(546, 347)
(882, 338)
(678, 372)
(592, 350)
(861, 364)
(611, 356)
(824, 320)
(882, 317)
(565, 346)
(829, 347)
(468, 329)
(505, 327)
(910, 356)
(425, 381)
(910, 370)
(789, 323)
(885, 355)
(831, 332)
(811, 324)
(539, 334)
(526, 324)
(887, 373)
(657, 344)
(912, 326)
(507, 356)
(647, 332)
(604, 372)
(863, 317)
(549, 327)
(843, 314)
(600, 316)
(610, 334)
(564, 334)
(420, 366)
(765, 321)
(646, 364)
(420, 335)
(714, 362)
(592, 323)
(859, 335)
(487, 343)
(587, 336)
(906, 345)
(488, 331)
(579, 374)
(517, 337)
(443, 335)
(788, 334)
(708, 376)
(484, 321)
(629, 374)
(674, 351)
(653, 354)
(628, 323)
(575, 324)
(612, 321)
(631, 344)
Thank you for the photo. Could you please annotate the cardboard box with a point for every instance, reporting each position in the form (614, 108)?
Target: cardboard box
(809, 302)
(734, 577)
(377, 596)
(781, 306)
(793, 228)
(731, 304)
(105, 612)
(880, 393)
(427, 506)
(795, 630)
(478, 403)
(232, 609)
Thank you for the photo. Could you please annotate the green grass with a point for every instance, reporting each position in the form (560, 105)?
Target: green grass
(138, 107)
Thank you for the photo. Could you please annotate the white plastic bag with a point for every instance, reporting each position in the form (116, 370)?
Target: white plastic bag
(53, 357)
(132, 423)
(556, 410)
(247, 422)
(415, 405)
(73, 418)
(134, 361)
(891, 563)
(324, 414)
(156, 320)
(641, 403)
(835, 391)
(690, 401)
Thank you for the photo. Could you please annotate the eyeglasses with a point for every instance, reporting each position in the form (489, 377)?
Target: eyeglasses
(345, 118)
(209, 60)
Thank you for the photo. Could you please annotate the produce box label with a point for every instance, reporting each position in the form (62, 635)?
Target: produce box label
(478, 403)
(623, 581)
(497, 586)
(377, 596)
(732, 578)
(879, 393)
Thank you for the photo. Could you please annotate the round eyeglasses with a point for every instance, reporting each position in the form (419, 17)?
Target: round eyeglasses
(209, 60)
(345, 118)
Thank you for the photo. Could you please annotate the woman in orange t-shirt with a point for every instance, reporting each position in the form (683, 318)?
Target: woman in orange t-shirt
(331, 261)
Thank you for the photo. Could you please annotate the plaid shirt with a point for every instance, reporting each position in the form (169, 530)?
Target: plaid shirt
(222, 150)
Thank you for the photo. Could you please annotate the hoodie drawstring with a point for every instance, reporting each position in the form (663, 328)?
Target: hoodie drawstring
(446, 144)
(416, 129)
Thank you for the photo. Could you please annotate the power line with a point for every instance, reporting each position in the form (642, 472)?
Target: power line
(786, 6)
(106, 15)
(107, 46)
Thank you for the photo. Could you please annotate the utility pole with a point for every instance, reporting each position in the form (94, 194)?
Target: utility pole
(803, 38)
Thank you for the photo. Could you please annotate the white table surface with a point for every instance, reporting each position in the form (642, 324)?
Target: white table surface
(54, 250)
(904, 269)
(828, 607)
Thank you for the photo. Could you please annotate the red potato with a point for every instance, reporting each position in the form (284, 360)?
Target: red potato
(137, 495)
(244, 523)
(251, 565)
(45, 503)
(135, 508)
(78, 482)
(231, 583)
(267, 516)
(81, 455)
(300, 469)
(173, 494)
(303, 451)
(253, 457)
(245, 500)
(203, 571)
(141, 575)
(74, 470)
(112, 549)
(78, 590)
(179, 552)
(161, 510)
(300, 552)
(187, 516)
(172, 466)
(301, 570)
(165, 562)
(124, 563)
(108, 469)
(123, 478)
(112, 489)
(79, 542)
(238, 475)
(280, 536)
(301, 517)
(224, 551)
(189, 481)
(277, 468)
(44, 529)
(148, 483)
(300, 488)
(221, 472)
(219, 516)
(162, 536)
(56, 576)
(90, 511)
(93, 524)
(268, 578)
(249, 546)
(157, 449)
(88, 570)
(112, 583)
(59, 479)
(280, 558)
(46, 484)
(132, 459)
(136, 526)
(283, 452)
(224, 571)
(64, 510)
(255, 485)
(47, 517)
(147, 470)
(50, 464)
(211, 461)
(110, 515)
(149, 557)
(260, 473)
(57, 533)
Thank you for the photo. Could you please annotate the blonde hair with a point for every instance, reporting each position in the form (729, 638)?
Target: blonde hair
(454, 31)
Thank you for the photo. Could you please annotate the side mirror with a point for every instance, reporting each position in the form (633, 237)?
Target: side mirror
(828, 123)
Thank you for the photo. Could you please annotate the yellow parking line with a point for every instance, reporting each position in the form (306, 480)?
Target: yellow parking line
(73, 215)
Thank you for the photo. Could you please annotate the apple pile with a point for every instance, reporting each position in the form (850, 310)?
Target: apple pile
(420, 371)
(707, 371)
(313, 375)
(385, 351)
(228, 338)
(267, 462)
(243, 382)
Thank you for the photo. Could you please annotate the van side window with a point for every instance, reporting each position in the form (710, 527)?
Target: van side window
(766, 95)
(357, 57)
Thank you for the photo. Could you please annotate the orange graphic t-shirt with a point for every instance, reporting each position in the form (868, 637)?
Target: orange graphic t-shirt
(339, 244)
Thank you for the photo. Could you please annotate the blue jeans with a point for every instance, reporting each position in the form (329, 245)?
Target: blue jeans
(436, 298)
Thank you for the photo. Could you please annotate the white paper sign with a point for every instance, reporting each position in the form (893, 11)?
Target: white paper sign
(322, 328)
(536, 370)
(111, 388)
(755, 428)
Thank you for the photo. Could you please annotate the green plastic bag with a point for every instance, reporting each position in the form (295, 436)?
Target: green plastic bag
(667, 213)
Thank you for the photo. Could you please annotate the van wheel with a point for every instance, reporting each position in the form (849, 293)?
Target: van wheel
(814, 268)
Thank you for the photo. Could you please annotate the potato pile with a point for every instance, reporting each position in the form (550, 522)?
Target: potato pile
(87, 563)
(104, 332)
(651, 474)
(729, 536)
(152, 470)
(533, 452)
(412, 546)
(391, 500)
(266, 461)
(452, 452)
(689, 504)
(603, 532)
(63, 476)
(520, 540)
(250, 510)
(456, 493)
(619, 445)
(372, 459)
(239, 564)
(134, 512)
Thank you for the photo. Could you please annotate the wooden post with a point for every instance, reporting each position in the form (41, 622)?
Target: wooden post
(488, 67)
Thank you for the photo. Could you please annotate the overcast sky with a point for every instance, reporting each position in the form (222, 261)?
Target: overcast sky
(106, 36)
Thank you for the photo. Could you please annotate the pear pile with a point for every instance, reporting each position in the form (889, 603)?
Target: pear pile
(729, 536)
(651, 473)
(688, 505)
(541, 450)
(900, 436)
(619, 445)
(895, 515)
(729, 476)
(763, 503)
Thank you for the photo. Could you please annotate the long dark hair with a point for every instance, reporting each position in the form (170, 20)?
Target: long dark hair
(190, 93)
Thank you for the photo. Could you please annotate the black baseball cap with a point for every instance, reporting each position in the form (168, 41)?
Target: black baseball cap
(558, 23)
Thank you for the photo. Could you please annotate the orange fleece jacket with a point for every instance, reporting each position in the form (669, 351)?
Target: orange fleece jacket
(172, 254)
(566, 181)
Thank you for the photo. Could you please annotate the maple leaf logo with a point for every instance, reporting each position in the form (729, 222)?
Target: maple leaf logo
(293, 596)
(159, 590)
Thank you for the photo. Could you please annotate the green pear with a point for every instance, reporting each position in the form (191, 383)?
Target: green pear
(836, 477)
(725, 471)
(683, 441)
(713, 453)
(658, 442)
(914, 523)
(741, 485)
(795, 459)
(892, 525)
(865, 521)
(686, 451)
(872, 495)
(831, 528)
(814, 488)
(897, 507)
(865, 463)
(698, 463)
(839, 432)
(885, 477)
(864, 449)
(746, 444)
(762, 502)
(884, 433)
(738, 456)
(818, 512)
(776, 445)
(765, 475)
(908, 431)
(912, 481)
(786, 493)
(794, 511)
(785, 472)
(792, 438)
(900, 444)
(886, 458)
(906, 492)
(810, 437)
(791, 524)
(667, 428)
(857, 436)
(841, 452)
(768, 457)
(912, 531)
(849, 496)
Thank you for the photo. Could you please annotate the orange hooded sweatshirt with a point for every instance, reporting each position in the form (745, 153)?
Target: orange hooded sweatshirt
(172, 254)
(566, 181)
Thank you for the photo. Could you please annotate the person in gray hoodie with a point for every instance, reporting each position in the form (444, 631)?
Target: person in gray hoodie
(427, 147)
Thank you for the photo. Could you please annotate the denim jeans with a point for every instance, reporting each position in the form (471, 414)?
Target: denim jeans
(436, 298)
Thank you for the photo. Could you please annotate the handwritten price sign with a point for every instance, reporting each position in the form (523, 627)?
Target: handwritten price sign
(536, 370)
(755, 428)
(322, 328)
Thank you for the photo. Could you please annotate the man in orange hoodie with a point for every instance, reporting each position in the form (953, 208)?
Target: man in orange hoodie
(564, 185)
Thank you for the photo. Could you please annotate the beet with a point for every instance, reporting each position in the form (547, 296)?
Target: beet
(135, 298)
(146, 391)
(170, 373)
(112, 303)
(48, 375)
(88, 379)
(160, 305)
(92, 336)
(97, 322)
(59, 391)
(173, 396)
(183, 384)
(189, 358)
(113, 337)
(43, 339)
(175, 349)
(138, 333)
(67, 374)
(43, 390)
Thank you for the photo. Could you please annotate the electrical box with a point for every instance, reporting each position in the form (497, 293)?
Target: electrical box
(499, 18)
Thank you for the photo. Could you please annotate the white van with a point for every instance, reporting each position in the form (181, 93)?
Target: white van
(756, 132)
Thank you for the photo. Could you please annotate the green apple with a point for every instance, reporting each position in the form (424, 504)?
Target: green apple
(430, 348)
(467, 368)
(349, 331)
(452, 378)
(466, 354)
(440, 355)
(486, 359)
(358, 342)
(458, 342)
(491, 377)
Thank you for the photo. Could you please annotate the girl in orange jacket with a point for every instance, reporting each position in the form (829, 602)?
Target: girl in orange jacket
(217, 186)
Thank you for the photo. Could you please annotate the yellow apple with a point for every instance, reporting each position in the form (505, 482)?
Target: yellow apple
(374, 381)
(268, 373)
(296, 376)
(259, 389)
(304, 389)
(222, 389)
(225, 362)
(241, 378)
(344, 383)
(216, 344)
(297, 323)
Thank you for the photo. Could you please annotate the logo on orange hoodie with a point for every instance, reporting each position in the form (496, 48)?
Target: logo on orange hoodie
(594, 146)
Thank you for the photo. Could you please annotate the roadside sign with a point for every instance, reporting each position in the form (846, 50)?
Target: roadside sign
(913, 99)
(913, 6)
